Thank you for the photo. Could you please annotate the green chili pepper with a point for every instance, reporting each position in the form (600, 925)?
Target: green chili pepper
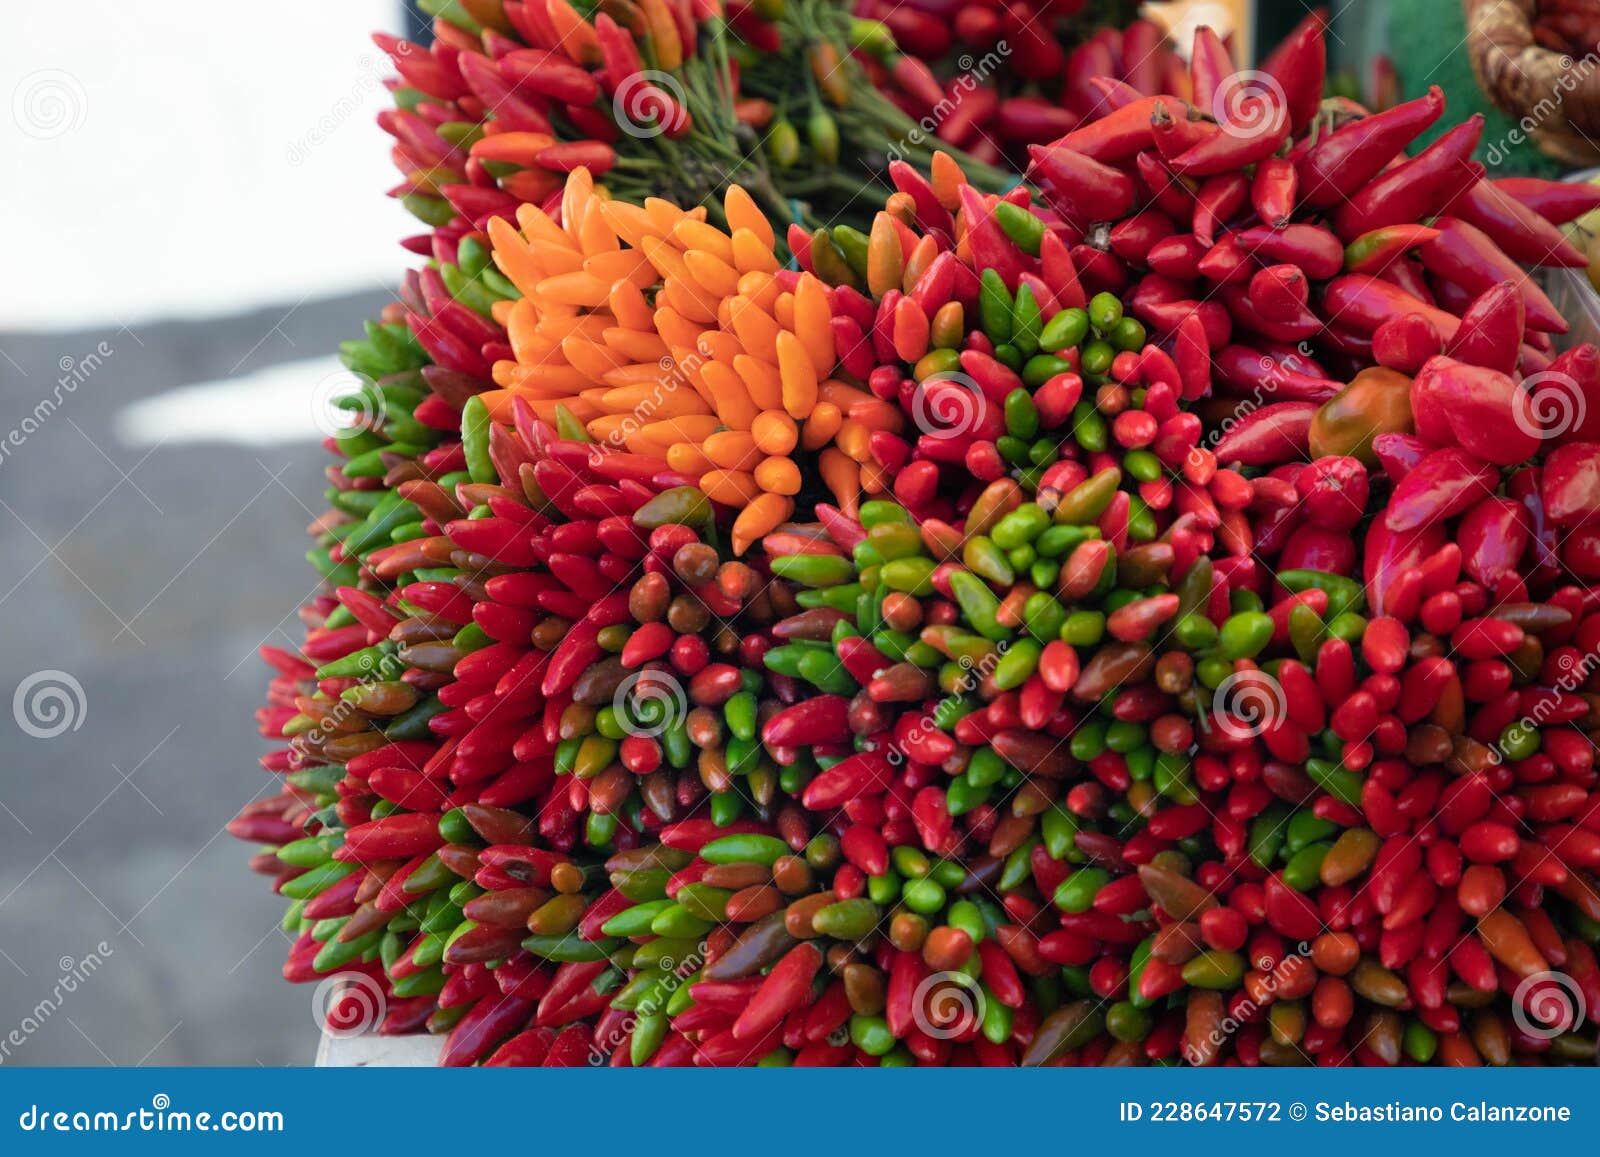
(994, 307)
(1024, 228)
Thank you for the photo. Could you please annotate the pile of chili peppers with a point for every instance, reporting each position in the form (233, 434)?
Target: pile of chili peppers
(1187, 656)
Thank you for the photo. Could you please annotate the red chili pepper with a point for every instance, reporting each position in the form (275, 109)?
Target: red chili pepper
(1279, 292)
(1519, 231)
(1491, 330)
(1486, 638)
(1406, 343)
(1177, 257)
(917, 81)
(1462, 253)
(1485, 411)
(549, 74)
(781, 992)
(489, 1021)
(864, 773)
(1442, 485)
(821, 719)
(1253, 129)
(566, 156)
(1244, 370)
(1080, 188)
(1294, 323)
(1313, 248)
(1556, 201)
(1418, 188)
(1268, 436)
(1364, 303)
(931, 215)
(1375, 251)
(393, 837)
(1216, 202)
(1059, 272)
(1570, 484)
(1493, 536)
(1191, 350)
(1176, 135)
(1132, 238)
(1388, 554)
(1028, 119)
(1210, 66)
(989, 245)
(1115, 136)
(1272, 191)
(1299, 64)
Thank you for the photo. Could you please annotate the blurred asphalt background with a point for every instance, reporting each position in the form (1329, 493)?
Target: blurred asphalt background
(201, 199)
(149, 574)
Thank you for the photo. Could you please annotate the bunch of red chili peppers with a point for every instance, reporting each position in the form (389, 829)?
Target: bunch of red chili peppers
(994, 78)
(1212, 680)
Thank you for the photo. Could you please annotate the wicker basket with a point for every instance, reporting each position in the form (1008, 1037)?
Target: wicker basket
(1555, 98)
